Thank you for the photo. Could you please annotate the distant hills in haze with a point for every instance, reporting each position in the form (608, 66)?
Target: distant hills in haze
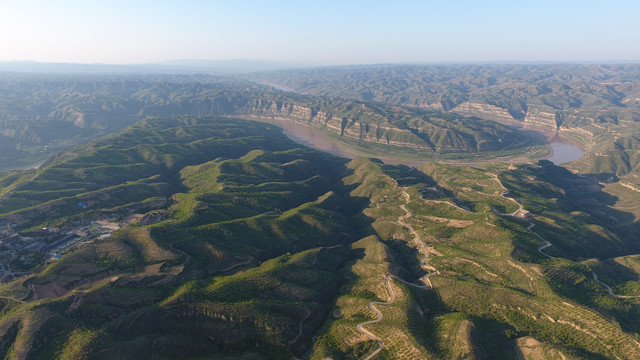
(41, 114)
(187, 66)
(241, 66)
(237, 66)
(597, 105)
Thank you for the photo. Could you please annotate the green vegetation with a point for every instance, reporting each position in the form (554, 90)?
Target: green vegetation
(214, 237)
(572, 94)
(41, 115)
(594, 105)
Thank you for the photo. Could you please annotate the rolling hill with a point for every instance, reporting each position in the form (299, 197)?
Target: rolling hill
(597, 106)
(200, 237)
(40, 115)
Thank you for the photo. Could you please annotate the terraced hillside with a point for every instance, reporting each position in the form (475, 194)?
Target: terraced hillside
(201, 237)
(40, 115)
(492, 290)
(234, 195)
(595, 105)
(614, 160)
(557, 96)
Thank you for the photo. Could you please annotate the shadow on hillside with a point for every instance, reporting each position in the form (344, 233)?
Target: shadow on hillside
(410, 269)
(490, 338)
(585, 223)
(614, 273)
(581, 223)
(407, 176)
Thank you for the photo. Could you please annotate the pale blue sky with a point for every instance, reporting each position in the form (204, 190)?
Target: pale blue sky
(319, 32)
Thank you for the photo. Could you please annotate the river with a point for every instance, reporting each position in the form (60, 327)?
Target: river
(313, 138)
(562, 150)
(308, 136)
(564, 153)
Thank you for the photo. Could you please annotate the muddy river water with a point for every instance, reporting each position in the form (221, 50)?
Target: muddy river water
(563, 150)
(564, 153)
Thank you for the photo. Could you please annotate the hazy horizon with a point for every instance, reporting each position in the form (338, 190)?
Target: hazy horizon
(205, 62)
(321, 34)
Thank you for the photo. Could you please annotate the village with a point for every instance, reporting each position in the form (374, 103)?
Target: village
(22, 252)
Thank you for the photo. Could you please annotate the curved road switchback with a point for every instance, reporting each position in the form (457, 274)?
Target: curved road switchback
(379, 317)
(427, 282)
(419, 243)
(547, 244)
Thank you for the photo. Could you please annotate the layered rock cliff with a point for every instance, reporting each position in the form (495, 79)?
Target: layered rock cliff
(348, 124)
(40, 119)
(368, 123)
(486, 111)
(541, 117)
(568, 98)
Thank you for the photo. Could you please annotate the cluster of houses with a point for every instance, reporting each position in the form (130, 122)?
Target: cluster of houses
(20, 250)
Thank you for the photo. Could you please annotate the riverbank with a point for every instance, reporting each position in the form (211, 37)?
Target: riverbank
(562, 153)
(561, 148)
(316, 139)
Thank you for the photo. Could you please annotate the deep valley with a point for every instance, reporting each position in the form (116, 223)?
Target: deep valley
(166, 222)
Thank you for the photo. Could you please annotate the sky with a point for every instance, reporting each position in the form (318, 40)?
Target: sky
(319, 32)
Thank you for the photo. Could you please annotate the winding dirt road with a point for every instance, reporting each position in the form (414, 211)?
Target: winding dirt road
(372, 306)
(419, 244)
(610, 291)
(548, 244)
(504, 195)
(294, 340)
(187, 257)
(13, 299)
(246, 261)
(427, 283)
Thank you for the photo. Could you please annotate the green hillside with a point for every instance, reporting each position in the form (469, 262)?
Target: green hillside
(616, 159)
(208, 237)
(597, 106)
(574, 95)
(40, 115)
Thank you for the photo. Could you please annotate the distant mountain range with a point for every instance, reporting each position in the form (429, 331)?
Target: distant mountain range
(40, 114)
(241, 66)
(168, 67)
(597, 105)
